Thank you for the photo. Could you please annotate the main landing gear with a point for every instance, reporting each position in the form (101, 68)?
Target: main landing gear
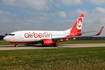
(55, 45)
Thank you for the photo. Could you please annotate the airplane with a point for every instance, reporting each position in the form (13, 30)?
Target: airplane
(47, 38)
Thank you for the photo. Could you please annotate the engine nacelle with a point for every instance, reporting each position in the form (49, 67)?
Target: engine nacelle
(46, 42)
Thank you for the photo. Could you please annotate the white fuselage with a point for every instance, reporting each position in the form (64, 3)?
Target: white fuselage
(31, 35)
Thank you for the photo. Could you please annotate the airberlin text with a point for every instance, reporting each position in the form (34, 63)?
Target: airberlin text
(38, 35)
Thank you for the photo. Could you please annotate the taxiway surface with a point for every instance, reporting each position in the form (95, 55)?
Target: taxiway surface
(11, 47)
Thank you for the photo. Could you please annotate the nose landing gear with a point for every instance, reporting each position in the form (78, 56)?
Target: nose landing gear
(16, 45)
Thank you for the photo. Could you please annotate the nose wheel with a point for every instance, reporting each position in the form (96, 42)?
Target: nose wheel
(16, 45)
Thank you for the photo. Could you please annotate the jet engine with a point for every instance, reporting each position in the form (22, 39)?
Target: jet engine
(46, 42)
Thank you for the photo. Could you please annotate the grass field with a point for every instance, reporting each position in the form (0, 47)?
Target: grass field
(67, 42)
(53, 59)
(4, 43)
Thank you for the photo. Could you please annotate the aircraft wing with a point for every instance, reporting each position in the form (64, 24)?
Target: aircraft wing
(73, 37)
(86, 32)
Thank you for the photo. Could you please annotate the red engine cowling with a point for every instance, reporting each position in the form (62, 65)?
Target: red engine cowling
(46, 42)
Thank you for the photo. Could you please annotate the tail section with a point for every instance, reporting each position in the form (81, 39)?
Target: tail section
(76, 30)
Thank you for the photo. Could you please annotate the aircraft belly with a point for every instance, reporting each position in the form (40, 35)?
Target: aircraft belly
(24, 40)
(30, 39)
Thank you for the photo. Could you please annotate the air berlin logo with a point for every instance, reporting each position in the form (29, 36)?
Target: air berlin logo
(79, 24)
(38, 35)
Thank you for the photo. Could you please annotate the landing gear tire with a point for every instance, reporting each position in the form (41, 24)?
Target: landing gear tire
(16, 45)
(55, 45)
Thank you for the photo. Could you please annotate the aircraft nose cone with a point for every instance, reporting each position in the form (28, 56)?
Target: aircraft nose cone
(5, 38)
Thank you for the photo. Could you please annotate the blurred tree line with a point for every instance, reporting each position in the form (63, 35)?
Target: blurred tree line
(90, 38)
(1, 37)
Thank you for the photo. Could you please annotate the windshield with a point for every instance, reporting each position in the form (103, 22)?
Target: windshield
(10, 34)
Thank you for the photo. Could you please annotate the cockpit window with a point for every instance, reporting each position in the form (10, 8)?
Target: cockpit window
(10, 34)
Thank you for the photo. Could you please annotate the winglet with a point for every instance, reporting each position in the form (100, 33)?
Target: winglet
(100, 31)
